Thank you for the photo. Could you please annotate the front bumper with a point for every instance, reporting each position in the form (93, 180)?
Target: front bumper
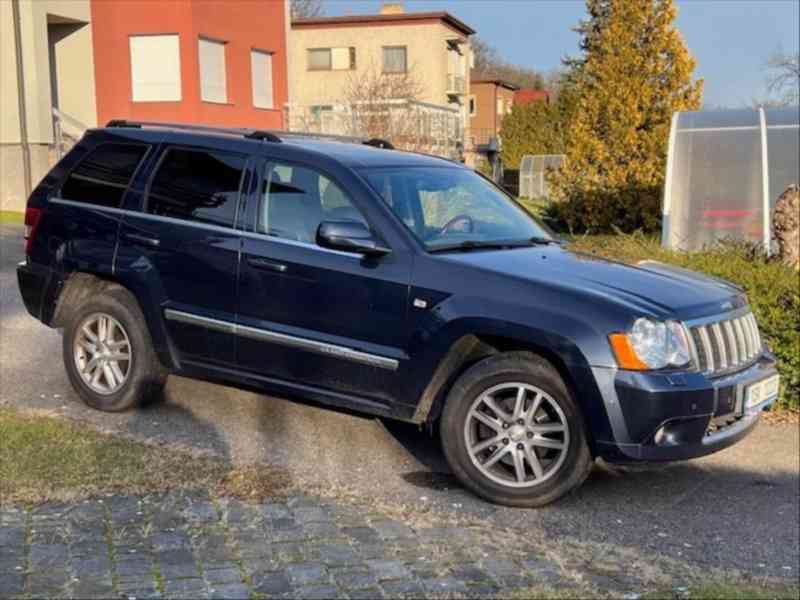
(664, 417)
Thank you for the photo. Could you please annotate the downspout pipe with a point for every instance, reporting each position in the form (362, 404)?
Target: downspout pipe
(21, 98)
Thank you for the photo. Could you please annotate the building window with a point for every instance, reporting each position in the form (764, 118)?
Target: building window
(394, 59)
(473, 106)
(261, 70)
(213, 84)
(500, 106)
(199, 186)
(332, 59)
(155, 68)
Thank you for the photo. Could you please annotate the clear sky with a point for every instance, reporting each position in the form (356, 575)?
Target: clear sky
(731, 39)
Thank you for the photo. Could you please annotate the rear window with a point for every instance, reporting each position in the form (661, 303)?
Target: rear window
(103, 176)
(195, 185)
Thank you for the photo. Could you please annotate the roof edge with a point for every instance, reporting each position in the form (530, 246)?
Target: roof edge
(443, 16)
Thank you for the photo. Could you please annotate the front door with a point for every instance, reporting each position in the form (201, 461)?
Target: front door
(182, 251)
(313, 316)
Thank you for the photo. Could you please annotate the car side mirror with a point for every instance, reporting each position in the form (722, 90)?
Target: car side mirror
(349, 236)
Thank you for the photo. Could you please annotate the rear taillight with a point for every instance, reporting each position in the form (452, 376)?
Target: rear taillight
(32, 217)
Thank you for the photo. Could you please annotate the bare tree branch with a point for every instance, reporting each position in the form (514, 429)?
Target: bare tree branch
(784, 77)
(306, 9)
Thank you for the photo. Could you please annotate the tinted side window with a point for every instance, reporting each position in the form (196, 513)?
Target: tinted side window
(196, 185)
(295, 200)
(102, 177)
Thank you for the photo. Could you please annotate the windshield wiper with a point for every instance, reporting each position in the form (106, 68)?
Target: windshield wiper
(491, 244)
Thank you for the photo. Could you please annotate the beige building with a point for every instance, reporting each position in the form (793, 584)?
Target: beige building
(348, 73)
(50, 43)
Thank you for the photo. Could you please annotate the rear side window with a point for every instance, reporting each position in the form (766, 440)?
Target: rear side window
(102, 177)
(196, 185)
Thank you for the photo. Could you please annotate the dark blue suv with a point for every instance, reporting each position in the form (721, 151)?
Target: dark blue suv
(392, 283)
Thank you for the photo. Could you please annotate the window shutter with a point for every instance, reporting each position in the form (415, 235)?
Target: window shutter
(212, 71)
(340, 59)
(261, 67)
(155, 68)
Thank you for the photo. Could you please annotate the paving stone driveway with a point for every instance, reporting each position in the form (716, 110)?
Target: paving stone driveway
(184, 545)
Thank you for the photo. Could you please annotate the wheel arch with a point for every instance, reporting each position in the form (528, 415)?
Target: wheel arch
(79, 286)
(472, 348)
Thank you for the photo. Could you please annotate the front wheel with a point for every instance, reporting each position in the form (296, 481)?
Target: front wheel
(512, 432)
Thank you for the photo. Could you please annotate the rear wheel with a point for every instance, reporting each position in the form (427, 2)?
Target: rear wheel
(108, 354)
(512, 432)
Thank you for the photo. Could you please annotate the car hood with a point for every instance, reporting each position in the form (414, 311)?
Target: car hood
(652, 288)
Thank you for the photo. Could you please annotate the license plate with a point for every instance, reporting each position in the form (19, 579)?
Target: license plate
(758, 392)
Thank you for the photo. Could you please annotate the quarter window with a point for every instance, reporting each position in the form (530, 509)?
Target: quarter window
(197, 186)
(102, 177)
(295, 200)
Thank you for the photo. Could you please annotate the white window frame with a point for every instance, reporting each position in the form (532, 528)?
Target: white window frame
(266, 100)
(405, 60)
(155, 67)
(213, 80)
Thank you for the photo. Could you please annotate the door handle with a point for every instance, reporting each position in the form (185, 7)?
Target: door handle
(263, 263)
(142, 240)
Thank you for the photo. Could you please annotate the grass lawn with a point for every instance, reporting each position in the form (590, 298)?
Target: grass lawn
(9, 216)
(46, 459)
(700, 591)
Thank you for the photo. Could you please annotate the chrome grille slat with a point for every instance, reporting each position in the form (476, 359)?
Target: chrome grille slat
(706, 341)
(730, 339)
(720, 340)
(725, 343)
(740, 341)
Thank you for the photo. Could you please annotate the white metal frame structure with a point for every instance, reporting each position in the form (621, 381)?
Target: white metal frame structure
(533, 170)
(723, 169)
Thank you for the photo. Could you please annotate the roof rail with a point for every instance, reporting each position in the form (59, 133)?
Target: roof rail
(253, 134)
(379, 143)
(266, 135)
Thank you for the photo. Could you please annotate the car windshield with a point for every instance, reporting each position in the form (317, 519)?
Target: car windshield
(453, 208)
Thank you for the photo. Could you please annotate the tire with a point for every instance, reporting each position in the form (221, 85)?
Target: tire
(500, 378)
(143, 376)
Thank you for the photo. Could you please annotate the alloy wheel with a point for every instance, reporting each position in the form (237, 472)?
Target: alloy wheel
(102, 353)
(516, 435)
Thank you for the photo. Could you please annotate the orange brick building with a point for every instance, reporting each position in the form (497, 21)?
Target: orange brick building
(216, 62)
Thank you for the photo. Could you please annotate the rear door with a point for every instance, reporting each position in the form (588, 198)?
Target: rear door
(84, 210)
(181, 250)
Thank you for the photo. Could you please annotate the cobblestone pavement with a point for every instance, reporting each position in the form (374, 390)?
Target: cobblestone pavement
(184, 545)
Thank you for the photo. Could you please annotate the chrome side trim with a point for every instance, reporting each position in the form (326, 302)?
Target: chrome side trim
(284, 339)
(110, 209)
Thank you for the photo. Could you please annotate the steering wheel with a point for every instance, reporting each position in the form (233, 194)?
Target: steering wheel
(458, 224)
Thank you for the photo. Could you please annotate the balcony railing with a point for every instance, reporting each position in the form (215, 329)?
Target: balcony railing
(456, 84)
(408, 124)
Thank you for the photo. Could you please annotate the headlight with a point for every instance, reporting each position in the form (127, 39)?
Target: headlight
(651, 345)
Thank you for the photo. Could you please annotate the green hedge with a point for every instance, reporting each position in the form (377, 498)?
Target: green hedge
(773, 290)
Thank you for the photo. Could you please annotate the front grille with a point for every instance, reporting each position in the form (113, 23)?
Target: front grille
(726, 344)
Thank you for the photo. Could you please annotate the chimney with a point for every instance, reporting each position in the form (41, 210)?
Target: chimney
(392, 8)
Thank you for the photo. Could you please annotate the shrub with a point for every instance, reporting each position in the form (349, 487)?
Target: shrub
(772, 288)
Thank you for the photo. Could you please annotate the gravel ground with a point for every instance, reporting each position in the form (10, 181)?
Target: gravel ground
(736, 511)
